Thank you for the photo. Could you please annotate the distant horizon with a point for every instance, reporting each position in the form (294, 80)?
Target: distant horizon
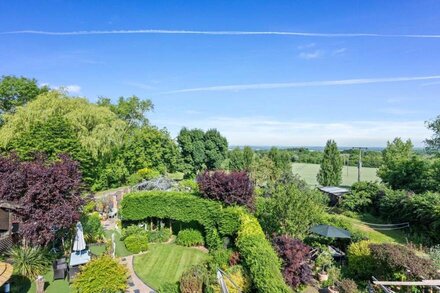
(265, 147)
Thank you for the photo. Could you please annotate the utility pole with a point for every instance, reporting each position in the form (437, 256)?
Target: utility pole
(360, 162)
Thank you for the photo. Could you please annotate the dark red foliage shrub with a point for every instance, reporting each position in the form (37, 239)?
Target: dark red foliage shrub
(48, 195)
(230, 188)
(296, 256)
(234, 259)
(393, 258)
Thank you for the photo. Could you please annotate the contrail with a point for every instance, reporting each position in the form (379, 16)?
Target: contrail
(255, 86)
(225, 33)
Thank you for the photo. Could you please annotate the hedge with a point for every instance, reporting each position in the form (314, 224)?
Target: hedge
(180, 206)
(256, 251)
(259, 256)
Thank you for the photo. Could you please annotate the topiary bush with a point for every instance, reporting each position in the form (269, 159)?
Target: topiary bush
(136, 243)
(102, 274)
(190, 237)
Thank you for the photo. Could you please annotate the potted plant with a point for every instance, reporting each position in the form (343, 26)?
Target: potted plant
(334, 274)
(322, 262)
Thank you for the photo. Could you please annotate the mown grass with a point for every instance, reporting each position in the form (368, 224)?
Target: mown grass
(308, 173)
(377, 236)
(21, 284)
(164, 263)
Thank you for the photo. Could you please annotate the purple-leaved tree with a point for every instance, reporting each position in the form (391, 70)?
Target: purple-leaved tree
(295, 255)
(230, 188)
(49, 195)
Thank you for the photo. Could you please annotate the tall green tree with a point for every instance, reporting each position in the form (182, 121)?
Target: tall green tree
(201, 150)
(241, 159)
(216, 148)
(330, 171)
(149, 147)
(192, 148)
(236, 160)
(433, 143)
(132, 109)
(281, 159)
(17, 91)
(402, 168)
(248, 158)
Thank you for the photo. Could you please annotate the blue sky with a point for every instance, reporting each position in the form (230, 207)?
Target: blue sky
(267, 88)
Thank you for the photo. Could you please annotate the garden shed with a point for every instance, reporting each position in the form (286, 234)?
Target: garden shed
(335, 193)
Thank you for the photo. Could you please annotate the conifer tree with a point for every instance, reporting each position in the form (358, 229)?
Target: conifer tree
(330, 172)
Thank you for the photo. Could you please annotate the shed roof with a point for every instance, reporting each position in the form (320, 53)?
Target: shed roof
(339, 191)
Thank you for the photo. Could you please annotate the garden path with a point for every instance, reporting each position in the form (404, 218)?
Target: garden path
(134, 282)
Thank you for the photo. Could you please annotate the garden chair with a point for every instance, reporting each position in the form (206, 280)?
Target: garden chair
(59, 270)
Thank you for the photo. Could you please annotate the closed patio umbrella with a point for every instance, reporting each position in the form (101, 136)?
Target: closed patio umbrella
(79, 244)
(330, 231)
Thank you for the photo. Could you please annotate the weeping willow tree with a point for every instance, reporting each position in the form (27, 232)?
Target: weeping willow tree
(98, 130)
(56, 123)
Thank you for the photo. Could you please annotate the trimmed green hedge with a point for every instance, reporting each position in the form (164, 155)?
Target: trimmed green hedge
(259, 256)
(180, 206)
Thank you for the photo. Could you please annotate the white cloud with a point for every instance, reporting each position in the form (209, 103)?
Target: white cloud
(140, 85)
(267, 131)
(321, 83)
(306, 46)
(311, 55)
(230, 33)
(339, 51)
(398, 111)
(72, 89)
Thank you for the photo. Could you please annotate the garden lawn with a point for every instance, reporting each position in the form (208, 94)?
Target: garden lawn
(308, 173)
(378, 236)
(23, 285)
(164, 263)
(98, 249)
(120, 246)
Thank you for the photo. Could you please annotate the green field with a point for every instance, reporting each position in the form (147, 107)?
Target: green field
(349, 174)
(164, 263)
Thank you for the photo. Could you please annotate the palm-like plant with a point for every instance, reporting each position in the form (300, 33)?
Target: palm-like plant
(29, 261)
